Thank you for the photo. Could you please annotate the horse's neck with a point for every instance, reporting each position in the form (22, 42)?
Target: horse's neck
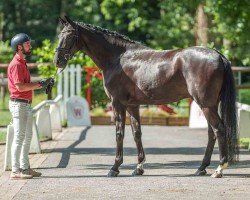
(100, 50)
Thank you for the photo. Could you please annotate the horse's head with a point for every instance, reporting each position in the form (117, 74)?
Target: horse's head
(68, 43)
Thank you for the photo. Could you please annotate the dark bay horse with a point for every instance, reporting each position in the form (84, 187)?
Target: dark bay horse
(135, 74)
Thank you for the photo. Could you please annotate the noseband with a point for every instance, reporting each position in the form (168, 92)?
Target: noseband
(68, 55)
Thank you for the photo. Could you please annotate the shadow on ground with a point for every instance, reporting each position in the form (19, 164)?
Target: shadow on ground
(72, 150)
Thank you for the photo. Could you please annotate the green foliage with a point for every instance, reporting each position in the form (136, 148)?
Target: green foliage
(45, 55)
(6, 53)
(230, 27)
(134, 20)
(176, 26)
(5, 117)
(98, 95)
(82, 59)
(98, 111)
(244, 143)
(39, 20)
(244, 96)
(2, 136)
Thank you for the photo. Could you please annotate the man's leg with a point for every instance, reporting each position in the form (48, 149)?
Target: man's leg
(19, 124)
(24, 161)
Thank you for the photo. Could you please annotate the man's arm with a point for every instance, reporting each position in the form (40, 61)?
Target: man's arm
(23, 87)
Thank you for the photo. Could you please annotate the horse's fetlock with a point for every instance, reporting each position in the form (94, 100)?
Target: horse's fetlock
(119, 160)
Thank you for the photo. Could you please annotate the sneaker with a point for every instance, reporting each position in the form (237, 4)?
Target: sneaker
(32, 172)
(20, 175)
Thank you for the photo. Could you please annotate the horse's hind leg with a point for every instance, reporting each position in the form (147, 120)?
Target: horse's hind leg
(214, 120)
(120, 117)
(136, 129)
(209, 150)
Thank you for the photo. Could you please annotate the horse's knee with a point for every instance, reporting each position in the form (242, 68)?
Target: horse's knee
(119, 136)
(137, 136)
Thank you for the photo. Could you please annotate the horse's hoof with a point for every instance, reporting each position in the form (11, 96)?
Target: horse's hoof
(138, 172)
(217, 175)
(113, 173)
(200, 173)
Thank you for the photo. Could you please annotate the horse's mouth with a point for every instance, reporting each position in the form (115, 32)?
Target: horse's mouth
(60, 64)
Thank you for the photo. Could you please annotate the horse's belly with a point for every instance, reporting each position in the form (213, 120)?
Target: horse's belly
(160, 95)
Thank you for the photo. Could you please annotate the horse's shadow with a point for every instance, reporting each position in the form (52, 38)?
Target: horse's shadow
(129, 151)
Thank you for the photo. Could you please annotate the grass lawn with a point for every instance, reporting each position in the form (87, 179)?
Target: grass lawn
(2, 136)
(5, 117)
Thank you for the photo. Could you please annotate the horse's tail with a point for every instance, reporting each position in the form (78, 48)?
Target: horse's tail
(228, 111)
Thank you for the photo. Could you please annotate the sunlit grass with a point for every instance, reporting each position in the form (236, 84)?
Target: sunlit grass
(2, 136)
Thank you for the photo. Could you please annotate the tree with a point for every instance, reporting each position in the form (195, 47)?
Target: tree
(230, 28)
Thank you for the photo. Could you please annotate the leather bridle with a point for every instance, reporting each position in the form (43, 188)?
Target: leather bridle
(68, 55)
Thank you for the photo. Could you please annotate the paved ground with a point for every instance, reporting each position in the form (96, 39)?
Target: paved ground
(81, 159)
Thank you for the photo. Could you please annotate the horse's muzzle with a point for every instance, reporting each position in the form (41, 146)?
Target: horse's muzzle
(60, 63)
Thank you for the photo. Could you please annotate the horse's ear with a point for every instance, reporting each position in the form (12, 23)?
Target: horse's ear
(62, 21)
(70, 21)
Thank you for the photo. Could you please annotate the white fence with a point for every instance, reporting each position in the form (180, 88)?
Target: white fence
(69, 83)
(46, 119)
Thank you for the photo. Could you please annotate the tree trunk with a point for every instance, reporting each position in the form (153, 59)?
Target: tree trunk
(1, 26)
(201, 26)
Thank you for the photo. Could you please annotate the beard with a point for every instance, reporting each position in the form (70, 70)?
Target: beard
(26, 53)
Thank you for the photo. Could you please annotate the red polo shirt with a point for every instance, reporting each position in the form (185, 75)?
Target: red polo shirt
(18, 72)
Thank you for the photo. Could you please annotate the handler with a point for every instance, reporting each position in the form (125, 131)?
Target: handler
(20, 88)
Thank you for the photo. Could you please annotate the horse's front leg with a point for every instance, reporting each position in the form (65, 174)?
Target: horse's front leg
(136, 129)
(120, 117)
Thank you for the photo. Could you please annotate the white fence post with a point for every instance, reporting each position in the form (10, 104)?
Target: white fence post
(56, 119)
(43, 122)
(35, 146)
(9, 140)
(72, 80)
(78, 79)
(65, 85)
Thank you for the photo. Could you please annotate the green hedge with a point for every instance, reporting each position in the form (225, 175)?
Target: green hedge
(244, 96)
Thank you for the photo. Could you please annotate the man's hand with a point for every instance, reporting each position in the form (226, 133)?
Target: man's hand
(49, 86)
(45, 82)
